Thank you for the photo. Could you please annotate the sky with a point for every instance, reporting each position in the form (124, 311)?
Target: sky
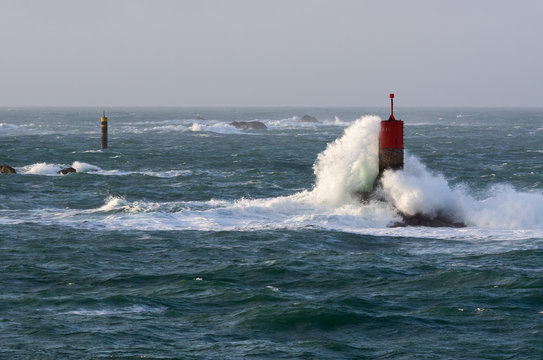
(271, 52)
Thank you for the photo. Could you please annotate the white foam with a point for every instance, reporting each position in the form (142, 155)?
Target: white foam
(40, 169)
(5, 127)
(506, 208)
(52, 169)
(167, 174)
(84, 167)
(196, 127)
(220, 128)
(348, 164)
(114, 203)
(294, 123)
(224, 127)
(339, 122)
(88, 151)
(417, 191)
(134, 309)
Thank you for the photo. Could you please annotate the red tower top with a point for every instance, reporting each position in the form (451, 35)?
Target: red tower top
(391, 117)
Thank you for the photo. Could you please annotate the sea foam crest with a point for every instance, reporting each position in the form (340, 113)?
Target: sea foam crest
(41, 168)
(8, 127)
(119, 203)
(348, 164)
(506, 208)
(84, 167)
(415, 190)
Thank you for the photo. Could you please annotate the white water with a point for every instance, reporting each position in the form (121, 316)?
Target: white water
(346, 165)
(82, 167)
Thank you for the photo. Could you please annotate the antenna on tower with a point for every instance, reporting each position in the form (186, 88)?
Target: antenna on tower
(391, 117)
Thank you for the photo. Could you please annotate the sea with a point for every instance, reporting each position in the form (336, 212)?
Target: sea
(188, 238)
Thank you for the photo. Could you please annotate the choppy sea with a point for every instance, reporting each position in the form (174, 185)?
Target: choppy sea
(192, 239)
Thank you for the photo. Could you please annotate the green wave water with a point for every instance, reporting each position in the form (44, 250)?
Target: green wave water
(192, 239)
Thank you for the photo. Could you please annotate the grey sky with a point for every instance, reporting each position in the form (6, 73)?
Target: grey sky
(271, 52)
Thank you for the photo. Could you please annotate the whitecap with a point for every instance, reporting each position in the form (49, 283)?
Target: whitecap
(8, 127)
(84, 167)
(134, 309)
(348, 164)
(41, 168)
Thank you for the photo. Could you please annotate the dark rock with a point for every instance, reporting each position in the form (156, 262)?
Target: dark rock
(423, 220)
(442, 219)
(249, 125)
(68, 170)
(198, 117)
(308, 118)
(6, 169)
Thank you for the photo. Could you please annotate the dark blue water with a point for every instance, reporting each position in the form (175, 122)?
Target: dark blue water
(192, 239)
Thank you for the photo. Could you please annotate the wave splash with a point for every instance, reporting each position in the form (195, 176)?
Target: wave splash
(47, 169)
(348, 164)
(351, 163)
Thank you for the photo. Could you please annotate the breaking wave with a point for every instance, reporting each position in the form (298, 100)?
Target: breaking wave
(82, 167)
(5, 127)
(224, 127)
(348, 164)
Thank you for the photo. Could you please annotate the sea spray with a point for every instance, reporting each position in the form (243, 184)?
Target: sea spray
(346, 165)
(415, 190)
(84, 167)
(41, 168)
(506, 208)
(349, 164)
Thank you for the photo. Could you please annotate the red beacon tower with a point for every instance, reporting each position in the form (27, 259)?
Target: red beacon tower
(391, 142)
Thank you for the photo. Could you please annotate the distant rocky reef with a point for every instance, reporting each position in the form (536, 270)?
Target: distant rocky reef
(308, 119)
(249, 125)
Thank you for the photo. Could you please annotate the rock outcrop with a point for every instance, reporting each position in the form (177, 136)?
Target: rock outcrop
(198, 117)
(6, 169)
(68, 170)
(249, 125)
(308, 119)
(423, 220)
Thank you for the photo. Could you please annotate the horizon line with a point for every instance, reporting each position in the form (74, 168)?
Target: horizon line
(273, 106)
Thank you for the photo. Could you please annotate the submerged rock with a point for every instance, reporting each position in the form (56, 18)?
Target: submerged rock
(6, 169)
(423, 220)
(308, 118)
(442, 219)
(68, 170)
(249, 125)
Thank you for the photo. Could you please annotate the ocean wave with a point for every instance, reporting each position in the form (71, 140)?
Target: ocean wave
(82, 167)
(6, 127)
(40, 169)
(347, 165)
(116, 204)
(295, 212)
(224, 127)
(218, 127)
(134, 309)
(294, 123)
